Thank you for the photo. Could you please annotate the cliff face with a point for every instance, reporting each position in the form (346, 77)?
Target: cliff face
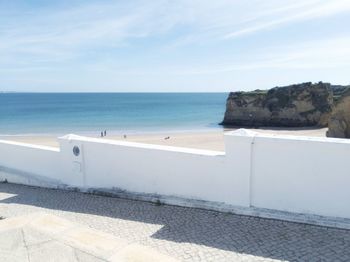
(339, 91)
(298, 105)
(339, 121)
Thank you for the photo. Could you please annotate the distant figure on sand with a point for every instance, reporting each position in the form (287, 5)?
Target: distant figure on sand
(101, 134)
(105, 132)
(124, 136)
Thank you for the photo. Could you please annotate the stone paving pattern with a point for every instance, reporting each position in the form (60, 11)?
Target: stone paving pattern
(41, 237)
(186, 234)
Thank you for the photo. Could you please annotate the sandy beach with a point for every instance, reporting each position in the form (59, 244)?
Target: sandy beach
(210, 140)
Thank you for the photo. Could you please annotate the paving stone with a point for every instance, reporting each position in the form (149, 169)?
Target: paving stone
(12, 246)
(32, 236)
(93, 242)
(54, 250)
(138, 253)
(186, 234)
(73, 243)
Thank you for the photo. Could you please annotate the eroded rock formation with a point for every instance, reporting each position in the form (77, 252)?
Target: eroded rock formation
(339, 121)
(300, 105)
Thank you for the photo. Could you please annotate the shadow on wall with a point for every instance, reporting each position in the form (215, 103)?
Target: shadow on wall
(240, 234)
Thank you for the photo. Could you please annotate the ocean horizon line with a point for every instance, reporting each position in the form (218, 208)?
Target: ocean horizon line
(109, 92)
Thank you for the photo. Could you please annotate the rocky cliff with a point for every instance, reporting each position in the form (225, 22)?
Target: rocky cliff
(339, 121)
(300, 105)
(339, 91)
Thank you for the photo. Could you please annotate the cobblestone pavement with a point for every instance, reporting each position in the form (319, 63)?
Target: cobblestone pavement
(183, 233)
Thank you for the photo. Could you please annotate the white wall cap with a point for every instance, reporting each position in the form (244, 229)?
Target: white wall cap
(248, 133)
(306, 138)
(241, 132)
(28, 145)
(72, 137)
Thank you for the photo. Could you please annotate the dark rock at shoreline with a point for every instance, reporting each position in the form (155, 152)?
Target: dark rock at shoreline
(299, 105)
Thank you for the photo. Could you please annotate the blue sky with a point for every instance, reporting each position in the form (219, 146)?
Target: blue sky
(174, 45)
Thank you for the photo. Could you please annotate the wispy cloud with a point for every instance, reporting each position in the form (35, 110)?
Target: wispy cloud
(165, 38)
(66, 33)
(63, 33)
(307, 11)
(327, 53)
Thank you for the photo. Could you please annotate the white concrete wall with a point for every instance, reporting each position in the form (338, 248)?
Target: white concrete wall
(301, 175)
(28, 160)
(294, 174)
(189, 173)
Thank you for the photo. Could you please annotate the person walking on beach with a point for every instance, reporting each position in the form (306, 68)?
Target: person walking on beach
(105, 133)
(102, 134)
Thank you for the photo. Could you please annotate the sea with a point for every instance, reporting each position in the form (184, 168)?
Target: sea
(117, 113)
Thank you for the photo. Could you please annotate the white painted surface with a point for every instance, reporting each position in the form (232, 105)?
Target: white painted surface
(302, 175)
(190, 173)
(294, 174)
(35, 160)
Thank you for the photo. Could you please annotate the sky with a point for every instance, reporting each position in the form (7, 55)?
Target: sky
(171, 45)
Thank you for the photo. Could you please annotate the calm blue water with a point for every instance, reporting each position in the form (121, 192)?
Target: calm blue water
(59, 113)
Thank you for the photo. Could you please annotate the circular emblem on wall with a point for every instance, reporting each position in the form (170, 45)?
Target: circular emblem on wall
(76, 150)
